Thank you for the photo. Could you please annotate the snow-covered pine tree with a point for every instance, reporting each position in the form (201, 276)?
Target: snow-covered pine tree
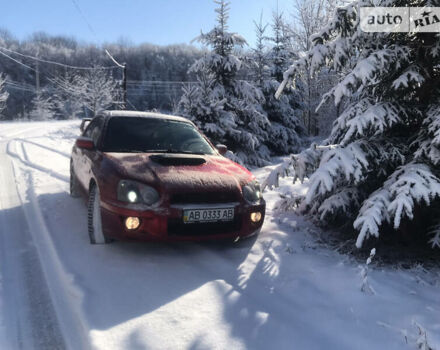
(283, 113)
(380, 167)
(239, 120)
(204, 107)
(259, 57)
(279, 55)
(3, 95)
(42, 107)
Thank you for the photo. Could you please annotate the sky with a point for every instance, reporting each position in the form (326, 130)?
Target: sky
(136, 21)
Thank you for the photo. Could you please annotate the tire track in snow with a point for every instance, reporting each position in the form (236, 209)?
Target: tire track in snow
(28, 315)
(10, 136)
(44, 147)
(66, 297)
(23, 158)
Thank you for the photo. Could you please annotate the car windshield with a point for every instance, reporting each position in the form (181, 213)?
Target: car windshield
(131, 134)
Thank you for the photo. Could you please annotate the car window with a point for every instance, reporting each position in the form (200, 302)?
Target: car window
(94, 129)
(154, 135)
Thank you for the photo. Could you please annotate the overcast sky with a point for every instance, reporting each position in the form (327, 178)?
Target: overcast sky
(154, 21)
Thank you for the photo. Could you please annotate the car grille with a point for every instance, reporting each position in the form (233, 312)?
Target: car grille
(204, 197)
(176, 227)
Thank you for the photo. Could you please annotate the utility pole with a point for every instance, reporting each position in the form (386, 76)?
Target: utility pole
(37, 78)
(124, 84)
(37, 75)
(124, 79)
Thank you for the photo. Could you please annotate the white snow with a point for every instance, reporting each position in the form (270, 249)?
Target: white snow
(282, 290)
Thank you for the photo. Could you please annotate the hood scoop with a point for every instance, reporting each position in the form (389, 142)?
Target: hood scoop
(177, 160)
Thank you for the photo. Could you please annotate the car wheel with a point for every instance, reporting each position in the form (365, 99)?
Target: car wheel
(74, 184)
(94, 217)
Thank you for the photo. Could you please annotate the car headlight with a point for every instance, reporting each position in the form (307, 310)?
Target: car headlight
(252, 192)
(135, 192)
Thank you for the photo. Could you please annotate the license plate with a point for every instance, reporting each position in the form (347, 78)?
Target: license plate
(208, 215)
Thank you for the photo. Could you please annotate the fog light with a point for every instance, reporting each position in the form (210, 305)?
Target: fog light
(256, 216)
(132, 223)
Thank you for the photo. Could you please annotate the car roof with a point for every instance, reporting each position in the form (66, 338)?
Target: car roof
(117, 113)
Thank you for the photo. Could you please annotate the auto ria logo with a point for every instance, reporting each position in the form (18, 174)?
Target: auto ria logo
(400, 19)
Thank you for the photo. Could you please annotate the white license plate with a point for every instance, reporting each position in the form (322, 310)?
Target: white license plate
(208, 215)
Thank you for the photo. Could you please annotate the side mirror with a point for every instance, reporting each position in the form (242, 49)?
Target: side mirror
(85, 143)
(84, 124)
(222, 149)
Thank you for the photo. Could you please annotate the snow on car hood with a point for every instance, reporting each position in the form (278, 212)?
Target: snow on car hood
(216, 173)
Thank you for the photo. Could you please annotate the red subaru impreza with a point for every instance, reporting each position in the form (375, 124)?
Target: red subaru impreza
(155, 177)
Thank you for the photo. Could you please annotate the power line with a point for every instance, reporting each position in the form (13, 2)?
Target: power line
(131, 104)
(20, 63)
(159, 88)
(61, 85)
(19, 83)
(56, 63)
(17, 86)
(11, 83)
(124, 77)
(123, 66)
(84, 17)
(51, 80)
(113, 59)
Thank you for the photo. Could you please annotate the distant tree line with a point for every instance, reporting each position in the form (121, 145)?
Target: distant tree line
(154, 73)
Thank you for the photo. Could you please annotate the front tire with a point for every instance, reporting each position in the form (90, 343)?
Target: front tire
(94, 221)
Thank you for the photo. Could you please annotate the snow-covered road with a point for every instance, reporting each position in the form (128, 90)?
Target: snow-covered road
(281, 290)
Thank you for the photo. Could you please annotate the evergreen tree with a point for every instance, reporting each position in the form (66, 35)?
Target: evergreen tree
(283, 113)
(205, 108)
(279, 55)
(259, 54)
(379, 167)
(239, 119)
(42, 108)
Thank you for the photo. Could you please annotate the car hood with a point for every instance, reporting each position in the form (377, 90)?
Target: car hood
(181, 172)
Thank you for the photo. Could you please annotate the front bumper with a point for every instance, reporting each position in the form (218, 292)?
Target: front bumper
(166, 224)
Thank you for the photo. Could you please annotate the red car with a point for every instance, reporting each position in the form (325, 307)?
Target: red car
(155, 177)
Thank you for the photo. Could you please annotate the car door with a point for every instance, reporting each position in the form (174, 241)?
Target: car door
(86, 159)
